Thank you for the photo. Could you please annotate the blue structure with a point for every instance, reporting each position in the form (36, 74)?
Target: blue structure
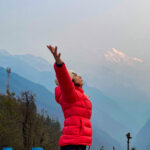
(7, 148)
(34, 148)
(37, 148)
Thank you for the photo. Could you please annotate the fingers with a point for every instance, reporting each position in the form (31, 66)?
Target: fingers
(59, 55)
(56, 50)
(52, 49)
(49, 47)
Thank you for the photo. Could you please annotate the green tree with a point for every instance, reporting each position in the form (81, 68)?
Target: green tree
(10, 123)
(28, 109)
(21, 127)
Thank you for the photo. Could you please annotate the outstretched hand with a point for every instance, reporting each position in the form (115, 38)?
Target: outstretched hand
(56, 55)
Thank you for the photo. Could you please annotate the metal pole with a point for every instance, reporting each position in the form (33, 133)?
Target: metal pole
(128, 144)
(128, 140)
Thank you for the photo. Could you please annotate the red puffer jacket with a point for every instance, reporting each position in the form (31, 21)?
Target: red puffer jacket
(77, 109)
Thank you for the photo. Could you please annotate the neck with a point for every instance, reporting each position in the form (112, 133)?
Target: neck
(78, 85)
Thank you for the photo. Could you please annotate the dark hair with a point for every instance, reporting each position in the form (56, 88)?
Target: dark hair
(75, 83)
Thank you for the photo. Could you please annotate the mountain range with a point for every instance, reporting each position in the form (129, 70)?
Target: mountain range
(142, 140)
(45, 100)
(110, 116)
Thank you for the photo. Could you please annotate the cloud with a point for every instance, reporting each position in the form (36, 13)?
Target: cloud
(115, 56)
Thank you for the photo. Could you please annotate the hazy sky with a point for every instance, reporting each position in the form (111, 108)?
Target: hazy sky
(78, 27)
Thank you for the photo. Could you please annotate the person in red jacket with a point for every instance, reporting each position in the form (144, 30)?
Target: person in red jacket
(76, 107)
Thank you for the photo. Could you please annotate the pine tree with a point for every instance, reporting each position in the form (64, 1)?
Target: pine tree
(29, 113)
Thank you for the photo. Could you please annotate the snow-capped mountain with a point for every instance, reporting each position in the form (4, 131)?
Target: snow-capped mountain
(115, 56)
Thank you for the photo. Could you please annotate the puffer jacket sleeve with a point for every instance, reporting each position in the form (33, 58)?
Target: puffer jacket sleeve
(65, 82)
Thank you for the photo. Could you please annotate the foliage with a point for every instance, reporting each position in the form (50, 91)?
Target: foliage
(21, 127)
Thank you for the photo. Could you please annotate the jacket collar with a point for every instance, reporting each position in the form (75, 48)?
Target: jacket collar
(79, 88)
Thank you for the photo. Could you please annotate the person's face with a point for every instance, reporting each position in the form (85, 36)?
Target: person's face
(78, 80)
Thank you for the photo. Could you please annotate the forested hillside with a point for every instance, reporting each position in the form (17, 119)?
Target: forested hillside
(22, 128)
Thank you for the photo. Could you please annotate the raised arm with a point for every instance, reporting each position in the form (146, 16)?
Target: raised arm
(65, 82)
